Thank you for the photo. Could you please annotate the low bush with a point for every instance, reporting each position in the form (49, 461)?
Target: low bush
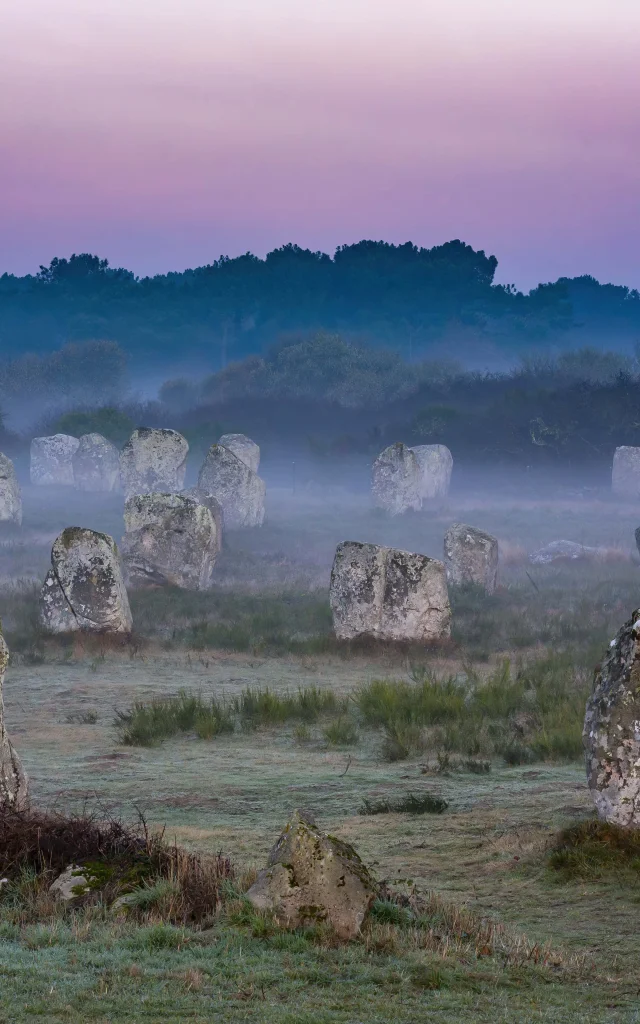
(425, 803)
(146, 724)
(594, 849)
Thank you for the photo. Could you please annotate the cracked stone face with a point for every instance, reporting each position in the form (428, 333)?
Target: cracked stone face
(10, 496)
(84, 589)
(436, 465)
(471, 556)
(244, 448)
(312, 876)
(239, 491)
(51, 460)
(14, 785)
(612, 730)
(625, 474)
(96, 464)
(396, 480)
(170, 539)
(388, 594)
(153, 460)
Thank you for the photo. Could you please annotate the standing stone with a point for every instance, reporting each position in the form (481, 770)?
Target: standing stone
(397, 480)
(170, 539)
(96, 464)
(10, 496)
(239, 490)
(625, 475)
(612, 730)
(14, 785)
(214, 507)
(388, 594)
(311, 876)
(436, 464)
(471, 556)
(153, 460)
(84, 589)
(244, 448)
(51, 459)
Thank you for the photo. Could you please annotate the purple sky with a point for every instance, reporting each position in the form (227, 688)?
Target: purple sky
(162, 133)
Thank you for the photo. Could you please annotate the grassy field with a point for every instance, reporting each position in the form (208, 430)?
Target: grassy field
(229, 709)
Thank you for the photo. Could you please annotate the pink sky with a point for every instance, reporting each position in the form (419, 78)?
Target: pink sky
(162, 133)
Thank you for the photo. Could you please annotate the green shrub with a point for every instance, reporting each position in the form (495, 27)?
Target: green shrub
(594, 849)
(426, 803)
(341, 733)
(147, 724)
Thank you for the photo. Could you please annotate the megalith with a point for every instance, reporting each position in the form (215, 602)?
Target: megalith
(396, 480)
(388, 594)
(10, 495)
(52, 459)
(239, 491)
(214, 507)
(244, 448)
(153, 460)
(170, 539)
(96, 464)
(625, 474)
(84, 589)
(612, 730)
(436, 464)
(471, 556)
(14, 785)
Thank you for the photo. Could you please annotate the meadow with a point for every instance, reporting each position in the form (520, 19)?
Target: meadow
(456, 772)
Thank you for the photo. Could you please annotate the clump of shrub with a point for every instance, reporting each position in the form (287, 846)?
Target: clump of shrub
(146, 724)
(341, 733)
(594, 849)
(425, 803)
(265, 707)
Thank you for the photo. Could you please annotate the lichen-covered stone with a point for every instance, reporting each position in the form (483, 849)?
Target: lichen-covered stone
(311, 876)
(214, 507)
(14, 785)
(625, 474)
(388, 594)
(244, 448)
(10, 496)
(71, 885)
(612, 730)
(396, 481)
(436, 465)
(170, 539)
(563, 551)
(96, 464)
(471, 556)
(84, 589)
(153, 460)
(52, 459)
(239, 491)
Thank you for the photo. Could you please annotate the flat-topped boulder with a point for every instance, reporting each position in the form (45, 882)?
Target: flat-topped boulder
(471, 557)
(96, 464)
(14, 785)
(436, 464)
(566, 551)
(170, 539)
(84, 589)
(239, 491)
(612, 731)
(10, 495)
(625, 473)
(153, 460)
(245, 449)
(396, 480)
(388, 594)
(52, 460)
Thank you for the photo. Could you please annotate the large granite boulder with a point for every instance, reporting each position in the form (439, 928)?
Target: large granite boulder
(566, 551)
(170, 539)
(612, 730)
(388, 594)
(625, 474)
(239, 491)
(52, 459)
(311, 876)
(10, 496)
(14, 785)
(436, 465)
(84, 589)
(96, 464)
(471, 556)
(214, 507)
(396, 481)
(244, 448)
(153, 460)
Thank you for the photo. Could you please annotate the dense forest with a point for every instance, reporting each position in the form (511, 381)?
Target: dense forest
(411, 300)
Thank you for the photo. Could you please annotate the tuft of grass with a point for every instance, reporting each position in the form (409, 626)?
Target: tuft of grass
(425, 803)
(341, 733)
(264, 707)
(594, 849)
(147, 724)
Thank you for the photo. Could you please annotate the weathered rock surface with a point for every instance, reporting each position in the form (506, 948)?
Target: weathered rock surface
(72, 884)
(10, 496)
(214, 507)
(96, 464)
(396, 481)
(239, 491)
(84, 589)
(625, 474)
(471, 556)
(612, 730)
(51, 459)
(436, 465)
(389, 594)
(565, 550)
(153, 460)
(170, 539)
(311, 876)
(14, 785)
(244, 448)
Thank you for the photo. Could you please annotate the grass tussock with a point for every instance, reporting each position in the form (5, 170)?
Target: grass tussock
(596, 849)
(148, 723)
(425, 803)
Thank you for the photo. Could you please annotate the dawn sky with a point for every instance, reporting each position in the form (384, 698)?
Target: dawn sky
(163, 133)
